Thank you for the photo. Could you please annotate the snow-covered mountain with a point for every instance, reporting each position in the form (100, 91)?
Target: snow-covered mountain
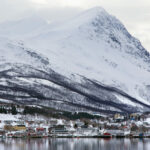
(90, 62)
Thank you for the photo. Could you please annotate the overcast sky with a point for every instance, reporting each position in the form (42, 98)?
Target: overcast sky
(135, 14)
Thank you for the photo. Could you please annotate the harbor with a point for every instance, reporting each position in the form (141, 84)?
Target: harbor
(117, 126)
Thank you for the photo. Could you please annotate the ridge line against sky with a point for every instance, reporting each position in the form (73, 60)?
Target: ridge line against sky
(135, 14)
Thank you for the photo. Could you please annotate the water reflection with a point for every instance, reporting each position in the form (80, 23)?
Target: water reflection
(74, 144)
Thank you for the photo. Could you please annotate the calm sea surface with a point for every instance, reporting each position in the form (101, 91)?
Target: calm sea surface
(75, 144)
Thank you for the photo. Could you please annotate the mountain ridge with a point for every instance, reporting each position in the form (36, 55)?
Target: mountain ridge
(89, 63)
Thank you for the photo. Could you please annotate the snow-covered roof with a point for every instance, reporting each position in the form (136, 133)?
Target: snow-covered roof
(8, 117)
(147, 120)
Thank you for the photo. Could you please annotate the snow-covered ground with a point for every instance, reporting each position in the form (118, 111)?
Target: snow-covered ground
(9, 117)
(147, 121)
(96, 45)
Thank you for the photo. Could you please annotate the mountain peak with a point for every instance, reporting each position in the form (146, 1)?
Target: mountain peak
(96, 10)
(92, 13)
(99, 17)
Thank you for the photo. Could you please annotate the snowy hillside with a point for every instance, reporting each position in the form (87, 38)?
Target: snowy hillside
(90, 62)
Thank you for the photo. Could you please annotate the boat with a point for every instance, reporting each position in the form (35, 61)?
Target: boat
(9, 135)
(19, 134)
(2, 136)
(106, 135)
(141, 135)
(34, 135)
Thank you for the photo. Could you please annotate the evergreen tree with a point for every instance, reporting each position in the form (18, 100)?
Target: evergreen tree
(3, 110)
(75, 126)
(13, 110)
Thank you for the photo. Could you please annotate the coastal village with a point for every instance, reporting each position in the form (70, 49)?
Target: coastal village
(136, 125)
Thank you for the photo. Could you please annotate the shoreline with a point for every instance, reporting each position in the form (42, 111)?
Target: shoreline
(78, 137)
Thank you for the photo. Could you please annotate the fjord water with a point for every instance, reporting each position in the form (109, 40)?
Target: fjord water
(74, 144)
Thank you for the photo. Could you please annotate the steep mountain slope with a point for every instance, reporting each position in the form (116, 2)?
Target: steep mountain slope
(92, 63)
(97, 45)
